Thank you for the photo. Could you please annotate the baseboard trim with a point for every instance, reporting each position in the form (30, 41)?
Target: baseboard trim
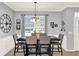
(69, 50)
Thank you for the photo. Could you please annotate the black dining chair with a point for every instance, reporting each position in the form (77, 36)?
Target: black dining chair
(45, 49)
(19, 43)
(57, 42)
(42, 48)
(32, 49)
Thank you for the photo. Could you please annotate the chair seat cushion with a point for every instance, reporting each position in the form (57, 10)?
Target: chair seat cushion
(55, 39)
(21, 39)
(56, 43)
(20, 43)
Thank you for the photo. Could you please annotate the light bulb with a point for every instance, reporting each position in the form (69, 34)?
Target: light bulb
(33, 20)
(38, 20)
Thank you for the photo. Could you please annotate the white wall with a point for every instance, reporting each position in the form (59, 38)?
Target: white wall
(76, 29)
(76, 33)
(6, 40)
(68, 17)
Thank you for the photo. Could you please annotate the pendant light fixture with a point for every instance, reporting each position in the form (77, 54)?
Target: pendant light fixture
(35, 18)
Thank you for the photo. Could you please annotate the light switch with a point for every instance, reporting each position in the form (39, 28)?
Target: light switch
(69, 32)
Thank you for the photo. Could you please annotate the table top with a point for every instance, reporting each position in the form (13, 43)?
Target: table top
(33, 40)
(43, 39)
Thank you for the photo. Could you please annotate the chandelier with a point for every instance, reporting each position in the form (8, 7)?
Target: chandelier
(35, 18)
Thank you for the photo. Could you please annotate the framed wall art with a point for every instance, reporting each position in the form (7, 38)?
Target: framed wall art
(18, 24)
(52, 24)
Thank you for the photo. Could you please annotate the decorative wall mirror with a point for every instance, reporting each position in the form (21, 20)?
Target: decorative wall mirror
(5, 23)
(18, 24)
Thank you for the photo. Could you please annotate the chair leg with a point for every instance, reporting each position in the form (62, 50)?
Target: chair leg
(36, 51)
(40, 51)
(14, 53)
(58, 48)
(17, 48)
(24, 50)
(52, 49)
(27, 51)
(14, 50)
(61, 51)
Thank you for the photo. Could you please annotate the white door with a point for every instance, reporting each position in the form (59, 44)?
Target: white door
(76, 32)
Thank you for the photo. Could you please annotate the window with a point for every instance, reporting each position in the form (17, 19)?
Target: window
(31, 26)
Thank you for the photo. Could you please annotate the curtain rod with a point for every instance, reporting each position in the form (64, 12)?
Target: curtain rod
(33, 14)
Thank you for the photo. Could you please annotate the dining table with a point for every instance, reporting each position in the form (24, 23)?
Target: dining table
(33, 42)
(37, 44)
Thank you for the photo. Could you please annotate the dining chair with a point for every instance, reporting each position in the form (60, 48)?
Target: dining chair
(57, 42)
(19, 43)
(29, 49)
(45, 49)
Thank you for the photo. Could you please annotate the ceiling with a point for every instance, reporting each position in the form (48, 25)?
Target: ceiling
(41, 6)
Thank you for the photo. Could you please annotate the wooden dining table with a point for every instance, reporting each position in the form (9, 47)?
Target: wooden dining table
(33, 40)
(44, 41)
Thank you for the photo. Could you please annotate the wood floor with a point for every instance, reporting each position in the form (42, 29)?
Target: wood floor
(44, 39)
(65, 53)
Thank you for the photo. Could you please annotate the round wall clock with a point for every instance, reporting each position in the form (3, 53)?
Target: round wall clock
(5, 23)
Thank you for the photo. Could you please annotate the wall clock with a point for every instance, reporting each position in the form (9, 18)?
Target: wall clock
(5, 23)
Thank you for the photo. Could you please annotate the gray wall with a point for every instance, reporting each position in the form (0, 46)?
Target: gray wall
(6, 41)
(6, 10)
(56, 18)
(67, 15)
(52, 17)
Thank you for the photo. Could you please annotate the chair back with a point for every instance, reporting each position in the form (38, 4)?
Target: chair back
(61, 37)
(15, 37)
